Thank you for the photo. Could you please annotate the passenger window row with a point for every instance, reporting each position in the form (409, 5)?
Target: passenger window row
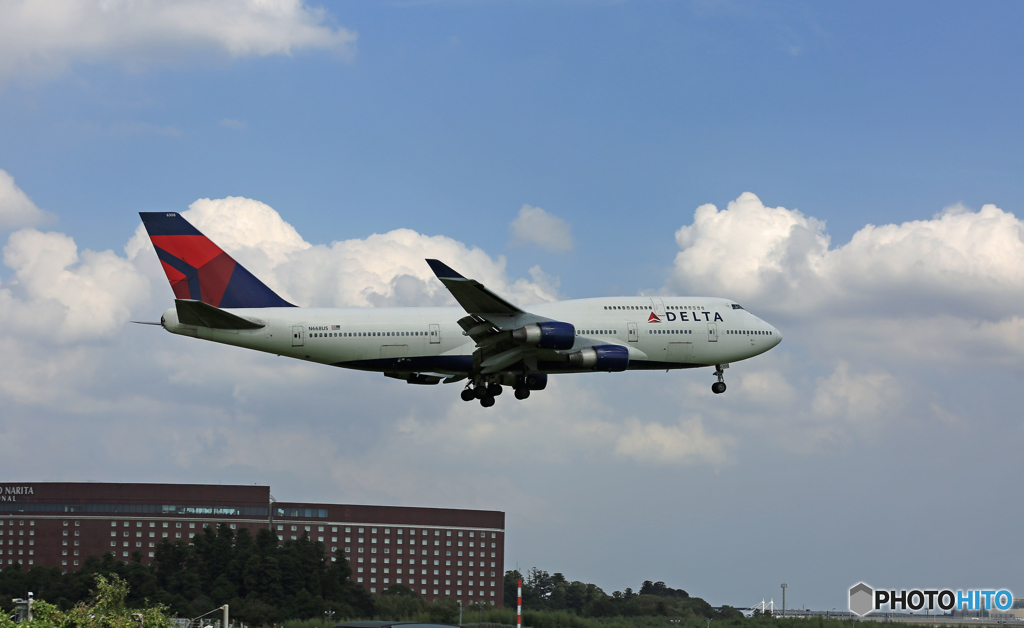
(366, 333)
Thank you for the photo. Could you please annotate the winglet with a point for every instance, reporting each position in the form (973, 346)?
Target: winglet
(442, 270)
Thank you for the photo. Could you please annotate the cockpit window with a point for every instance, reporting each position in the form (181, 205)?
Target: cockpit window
(737, 306)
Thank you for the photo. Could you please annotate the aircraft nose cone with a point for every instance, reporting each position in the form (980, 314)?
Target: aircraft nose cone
(777, 334)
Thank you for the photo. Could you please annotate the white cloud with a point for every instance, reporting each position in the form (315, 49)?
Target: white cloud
(16, 208)
(533, 225)
(63, 295)
(782, 259)
(860, 399)
(46, 36)
(386, 269)
(684, 443)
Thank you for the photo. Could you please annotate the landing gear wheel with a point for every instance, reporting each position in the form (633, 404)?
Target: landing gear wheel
(719, 387)
(480, 392)
(494, 389)
(468, 394)
(522, 393)
(487, 401)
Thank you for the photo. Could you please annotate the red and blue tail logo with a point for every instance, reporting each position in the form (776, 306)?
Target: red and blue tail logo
(199, 270)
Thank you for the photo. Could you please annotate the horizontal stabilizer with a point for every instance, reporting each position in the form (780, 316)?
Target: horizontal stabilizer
(205, 315)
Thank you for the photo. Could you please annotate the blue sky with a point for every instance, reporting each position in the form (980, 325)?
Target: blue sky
(903, 355)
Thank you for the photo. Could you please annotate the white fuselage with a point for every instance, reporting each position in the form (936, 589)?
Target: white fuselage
(669, 332)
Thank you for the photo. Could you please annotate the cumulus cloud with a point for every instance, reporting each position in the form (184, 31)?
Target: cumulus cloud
(684, 443)
(46, 36)
(783, 259)
(16, 208)
(380, 270)
(63, 295)
(533, 225)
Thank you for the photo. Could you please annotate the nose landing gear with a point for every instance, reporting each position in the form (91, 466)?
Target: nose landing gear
(719, 386)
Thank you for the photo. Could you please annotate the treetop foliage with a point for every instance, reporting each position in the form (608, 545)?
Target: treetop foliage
(554, 592)
(263, 581)
(107, 607)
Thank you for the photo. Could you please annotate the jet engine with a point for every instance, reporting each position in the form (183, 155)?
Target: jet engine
(550, 335)
(601, 358)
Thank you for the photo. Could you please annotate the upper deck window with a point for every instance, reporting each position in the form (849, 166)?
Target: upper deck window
(737, 306)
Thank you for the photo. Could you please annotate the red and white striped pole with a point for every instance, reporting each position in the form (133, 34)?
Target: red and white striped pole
(519, 604)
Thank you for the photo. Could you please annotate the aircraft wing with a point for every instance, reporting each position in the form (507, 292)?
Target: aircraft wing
(471, 294)
(490, 322)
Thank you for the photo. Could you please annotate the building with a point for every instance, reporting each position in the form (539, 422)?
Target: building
(438, 552)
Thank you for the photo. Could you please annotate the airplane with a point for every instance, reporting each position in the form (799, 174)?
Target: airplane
(487, 342)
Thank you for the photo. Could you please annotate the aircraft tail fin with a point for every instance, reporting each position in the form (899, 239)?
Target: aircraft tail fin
(199, 270)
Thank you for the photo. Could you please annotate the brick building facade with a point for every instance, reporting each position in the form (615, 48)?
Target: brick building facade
(438, 552)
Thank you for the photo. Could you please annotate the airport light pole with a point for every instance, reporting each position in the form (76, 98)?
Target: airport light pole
(784, 585)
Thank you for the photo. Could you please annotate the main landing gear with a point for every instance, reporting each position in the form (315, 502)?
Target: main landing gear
(719, 387)
(486, 392)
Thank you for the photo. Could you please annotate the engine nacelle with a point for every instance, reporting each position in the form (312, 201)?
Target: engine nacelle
(551, 335)
(601, 358)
